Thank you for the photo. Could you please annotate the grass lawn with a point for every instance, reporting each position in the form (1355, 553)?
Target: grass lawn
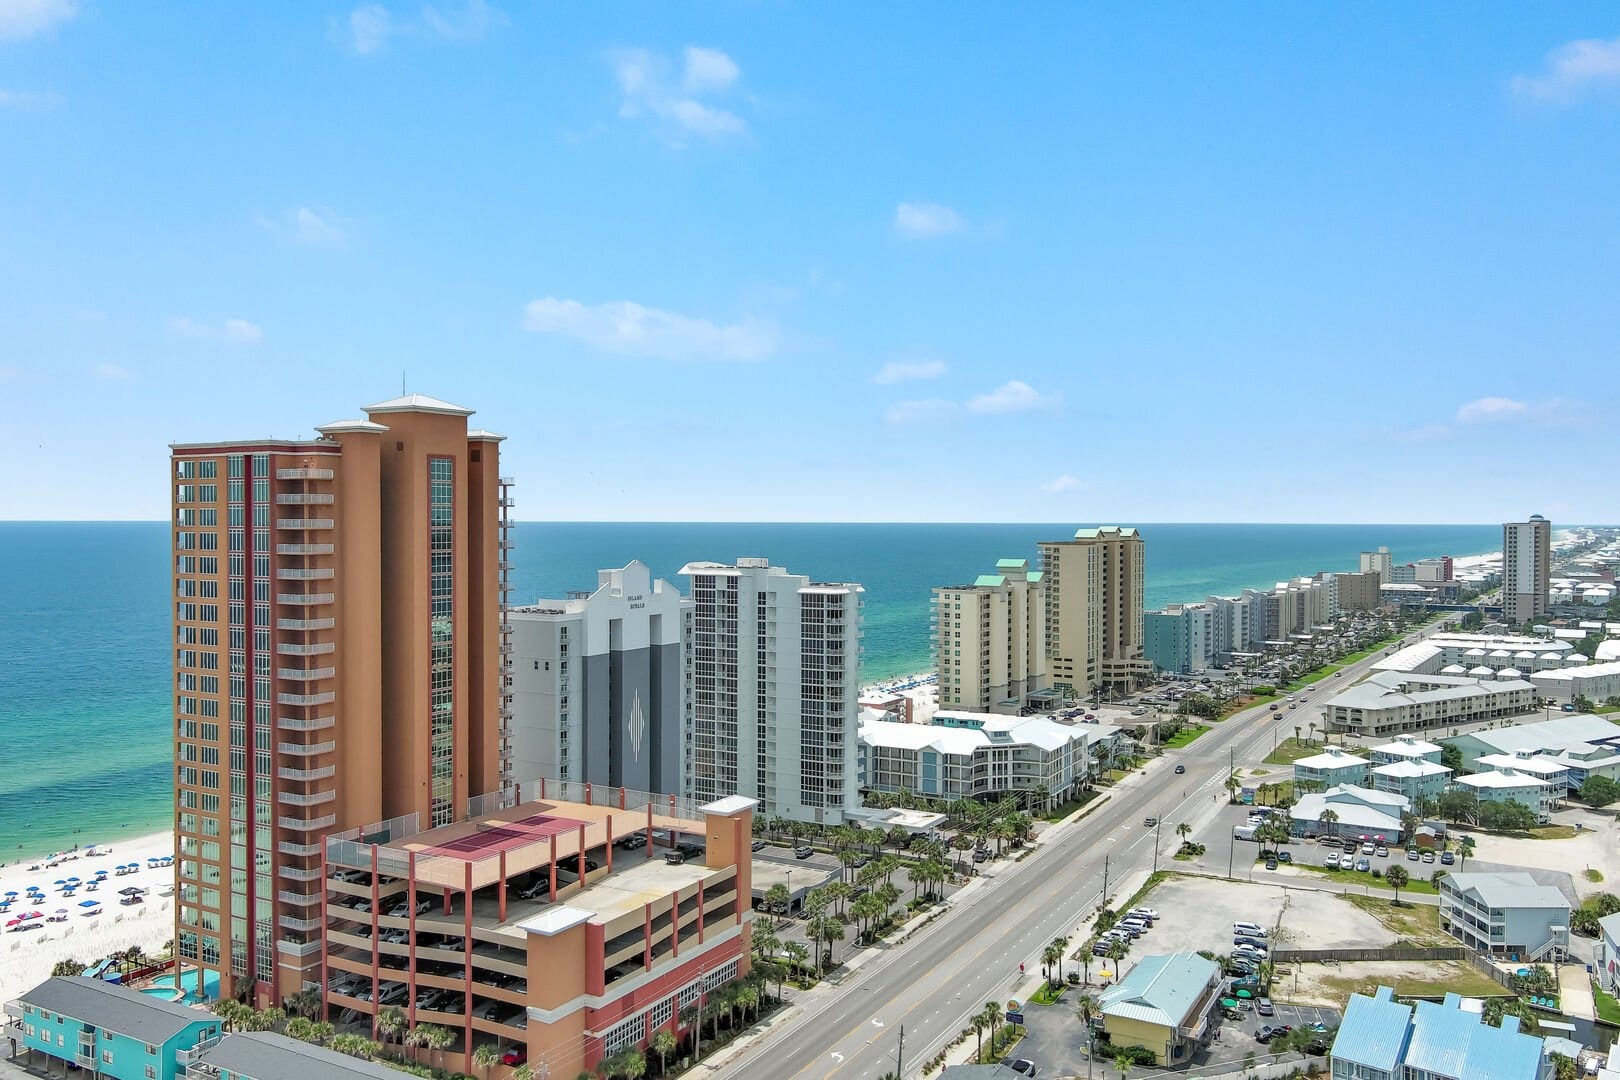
(1438, 979)
(1417, 924)
(1291, 750)
(1356, 877)
(1608, 1009)
(1187, 735)
(1047, 995)
(1058, 813)
(1552, 832)
(1314, 677)
(1593, 875)
(1249, 701)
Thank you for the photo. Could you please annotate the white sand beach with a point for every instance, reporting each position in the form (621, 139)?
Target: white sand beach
(922, 689)
(26, 957)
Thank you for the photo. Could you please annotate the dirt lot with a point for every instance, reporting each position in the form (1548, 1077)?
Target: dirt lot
(1198, 913)
(1332, 984)
(1597, 845)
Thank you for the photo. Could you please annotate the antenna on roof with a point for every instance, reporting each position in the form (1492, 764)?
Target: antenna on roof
(401, 382)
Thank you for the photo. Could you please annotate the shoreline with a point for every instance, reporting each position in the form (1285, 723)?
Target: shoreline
(29, 956)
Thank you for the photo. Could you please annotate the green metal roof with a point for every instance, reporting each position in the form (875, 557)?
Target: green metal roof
(991, 580)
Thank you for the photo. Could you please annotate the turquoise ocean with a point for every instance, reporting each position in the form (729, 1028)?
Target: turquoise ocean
(84, 616)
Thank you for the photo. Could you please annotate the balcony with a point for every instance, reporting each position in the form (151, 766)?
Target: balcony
(306, 775)
(316, 798)
(304, 498)
(325, 573)
(306, 749)
(303, 524)
(303, 851)
(303, 474)
(301, 599)
(305, 674)
(298, 948)
(306, 699)
(305, 926)
(307, 824)
(298, 898)
(319, 648)
(299, 873)
(305, 624)
(304, 549)
(313, 723)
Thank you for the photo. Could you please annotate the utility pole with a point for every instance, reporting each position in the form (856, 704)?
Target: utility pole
(1157, 829)
(900, 1055)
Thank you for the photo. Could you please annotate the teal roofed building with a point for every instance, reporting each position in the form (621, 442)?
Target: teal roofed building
(990, 642)
(1382, 1039)
(1165, 1004)
(107, 1030)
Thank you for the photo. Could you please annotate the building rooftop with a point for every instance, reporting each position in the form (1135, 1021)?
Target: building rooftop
(1550, 736)
(264, 1055)
(1374, 1031)
(958, 732)
(1507, 889)
(1535, 764)
(1333, 758)
(417, 403)
(116, 1008)
(1449, 1041)
(1160, 989)
(1501, 780)
(1406, 746)
(1386, 689)
(1411, 770)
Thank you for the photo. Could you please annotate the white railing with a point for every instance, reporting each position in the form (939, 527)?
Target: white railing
(293, 798)
(303, 599)
(304, 549)
(305, 674)
(319, 648)
(306, 749)
(319, 573)
(304, 498)
(305, 624)
(299, 524)
(306, 774)
(306, 699)
(303, 474)
(307, 824)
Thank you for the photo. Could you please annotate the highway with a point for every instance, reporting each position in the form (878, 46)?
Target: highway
(933, 983)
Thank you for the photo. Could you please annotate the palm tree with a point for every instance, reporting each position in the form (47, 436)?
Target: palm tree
(439, 1040)
(485, 1057)
(1327, 817)
(691, 1020)
(523, 1072)
(664, 1044)
(1395, 877)
(1123, 1062)
(992, 1016)
(797, 954)
(1052, 957)
(766, 943)
(1085, 1010)
(1465, 848)
(390, 1022)
(979, 1024)
(748, 999)
(1085, 958)
(961, 842)
(633, 1066)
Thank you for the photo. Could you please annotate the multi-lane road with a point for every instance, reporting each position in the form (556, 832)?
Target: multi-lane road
(932, 984)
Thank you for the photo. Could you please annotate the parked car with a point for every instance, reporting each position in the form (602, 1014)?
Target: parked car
(1368, 848)
(1381, 851)
(803, 852)
(1285, 856)
(1271, 864)
(1363, 865)
(1447, 858)
(674, 858)
(1020, 1065)
(1332, 860)
(1263, 1007)
(759, 845)
(980, 855)
(1428, 856)
(1145, 912)
(515, 1056)
(639, 840)
(1411, 854)
(1249, 929)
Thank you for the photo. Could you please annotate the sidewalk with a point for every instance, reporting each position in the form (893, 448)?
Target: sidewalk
(1575, 992)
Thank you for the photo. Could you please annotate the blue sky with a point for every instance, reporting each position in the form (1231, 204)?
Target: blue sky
(759, 261)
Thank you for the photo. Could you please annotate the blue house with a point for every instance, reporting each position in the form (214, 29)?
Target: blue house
(264, 1055)
(107, 1030)
(1382, 1039)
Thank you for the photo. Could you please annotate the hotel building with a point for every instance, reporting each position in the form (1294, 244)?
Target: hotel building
(990, 639)
(772, 701)
(596, 684)
(1526, 569)
(537, 926)
(338, 639)
(1094, 588)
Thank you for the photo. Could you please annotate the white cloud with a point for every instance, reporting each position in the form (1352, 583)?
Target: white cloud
(1491, 409)
(1012, 397)
(239, 331)
(1572, 70)
(28, 99)
(708, 70)
(1059, 485)
(648, 88)
(25, 18)
(111, 373)
(371, 26)
(626, 328)
(920, 220)
(910, 412)
(308, 226)
(899, 371)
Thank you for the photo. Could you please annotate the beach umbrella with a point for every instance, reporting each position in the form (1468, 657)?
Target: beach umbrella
(130, 891)
(60, 881)
(75, 879)
(89, 903)
(11, 892)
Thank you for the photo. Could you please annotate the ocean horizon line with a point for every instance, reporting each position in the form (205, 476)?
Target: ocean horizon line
(785, 521)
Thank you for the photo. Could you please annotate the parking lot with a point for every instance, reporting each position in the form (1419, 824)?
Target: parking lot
(1197, 914)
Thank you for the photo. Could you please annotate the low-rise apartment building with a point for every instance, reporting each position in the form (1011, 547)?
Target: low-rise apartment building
(1387, 703)
(1588, 745)
(1349, 811)
(533, 926)
(1331, 768)
(1181, 638)
(1405, 748)
(1594, 682)
(970, 755)
(1504, 914)
(1550, 769)
(1510, 785)
(1382, 1039)
(1417, 779)
(105, 1029)
(264, 1055)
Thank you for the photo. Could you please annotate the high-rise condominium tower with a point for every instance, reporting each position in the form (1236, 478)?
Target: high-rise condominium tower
(1094, 608)
(990, 639)
(338, 639)
(771, 667)
(1526, 569)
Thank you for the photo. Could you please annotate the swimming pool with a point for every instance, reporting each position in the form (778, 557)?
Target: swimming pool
(165, 993)
(187, 990)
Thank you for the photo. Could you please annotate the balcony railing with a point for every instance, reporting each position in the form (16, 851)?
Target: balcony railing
(304, 498)
(307, 824)
(306, 749)
(319, 573)
(318, 648)
(303, 474)
(302, 599)
(299, 873)
(305, 624)
(305, 674)
(298, 898)
(306, 775)
(293, 798)
(304, 549)
(303, 851)
(306, 699)
(303, 524)
(306, 926)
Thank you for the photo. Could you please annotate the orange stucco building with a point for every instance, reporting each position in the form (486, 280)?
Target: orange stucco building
(338, 644)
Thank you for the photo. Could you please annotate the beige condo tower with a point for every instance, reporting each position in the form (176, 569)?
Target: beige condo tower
(1094, 609)
(990, 639)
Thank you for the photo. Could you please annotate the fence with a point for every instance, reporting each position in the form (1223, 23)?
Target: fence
(1316, 956)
